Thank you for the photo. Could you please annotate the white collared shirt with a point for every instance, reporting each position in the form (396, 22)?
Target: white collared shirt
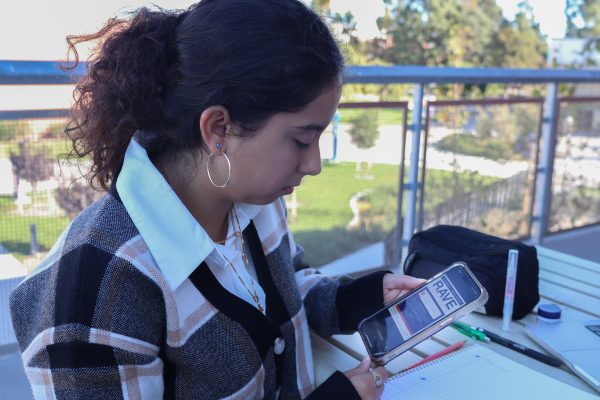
(176, 240)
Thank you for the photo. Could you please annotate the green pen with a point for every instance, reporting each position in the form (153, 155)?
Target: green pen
(470, 331)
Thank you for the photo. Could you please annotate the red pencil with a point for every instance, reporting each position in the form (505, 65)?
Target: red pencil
(439, 354)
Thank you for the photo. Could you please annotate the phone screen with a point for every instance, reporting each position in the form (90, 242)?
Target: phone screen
(427, 305)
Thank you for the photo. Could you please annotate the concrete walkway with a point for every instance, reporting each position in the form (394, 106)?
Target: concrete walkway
(13, 382)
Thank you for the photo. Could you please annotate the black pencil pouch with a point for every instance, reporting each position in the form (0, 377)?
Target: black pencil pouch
(432, 250)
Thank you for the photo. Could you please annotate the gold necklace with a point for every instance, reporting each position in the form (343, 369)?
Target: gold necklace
(252, 293)
(235, 234)
(240, 235)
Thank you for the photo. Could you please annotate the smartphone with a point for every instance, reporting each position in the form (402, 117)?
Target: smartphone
(420, 313)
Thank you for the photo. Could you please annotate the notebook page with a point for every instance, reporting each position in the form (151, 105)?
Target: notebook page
(477, 372)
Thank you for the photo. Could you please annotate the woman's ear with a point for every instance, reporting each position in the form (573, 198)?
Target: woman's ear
(214, 122)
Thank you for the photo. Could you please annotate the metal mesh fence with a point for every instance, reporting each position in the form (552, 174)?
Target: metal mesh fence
(353, 202)
(480, 159)
(575, 198)
(38, 196)
(350, 205)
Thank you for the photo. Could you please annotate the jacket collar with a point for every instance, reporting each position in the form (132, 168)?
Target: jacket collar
(176, 240)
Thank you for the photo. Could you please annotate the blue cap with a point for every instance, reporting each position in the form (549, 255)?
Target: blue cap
(549, 311)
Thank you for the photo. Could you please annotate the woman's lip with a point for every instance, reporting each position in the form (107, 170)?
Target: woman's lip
(289, 189)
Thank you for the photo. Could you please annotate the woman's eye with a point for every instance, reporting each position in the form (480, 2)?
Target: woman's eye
(301, 145)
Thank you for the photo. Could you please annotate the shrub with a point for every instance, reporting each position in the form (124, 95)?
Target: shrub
(488, 147)
(365, 130)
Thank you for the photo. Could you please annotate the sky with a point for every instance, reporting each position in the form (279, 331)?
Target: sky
(36, 29)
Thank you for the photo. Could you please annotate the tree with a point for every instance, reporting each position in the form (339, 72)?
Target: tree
(406, 32)
(364, 131)
(356, 52)
(438, 32)
(458, 33)
(583, 18)
(583, 21)
(33, 165)
(519, 43)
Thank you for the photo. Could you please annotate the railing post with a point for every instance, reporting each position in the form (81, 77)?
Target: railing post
(413, 173)
(336, 123)
(543, 190)
(33, 239)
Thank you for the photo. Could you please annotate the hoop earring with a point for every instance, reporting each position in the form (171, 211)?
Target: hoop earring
(209, 163)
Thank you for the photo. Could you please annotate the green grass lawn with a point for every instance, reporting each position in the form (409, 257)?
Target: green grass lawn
(14, 229)
(324, 199)
(52, 147)
(386, 116)
(324, 211)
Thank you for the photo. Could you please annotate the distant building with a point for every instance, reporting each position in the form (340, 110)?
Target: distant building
(572, 53)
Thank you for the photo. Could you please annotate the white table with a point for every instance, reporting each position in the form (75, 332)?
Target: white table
(570, 282)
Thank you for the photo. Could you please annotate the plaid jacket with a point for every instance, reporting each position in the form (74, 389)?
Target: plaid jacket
(97, 320)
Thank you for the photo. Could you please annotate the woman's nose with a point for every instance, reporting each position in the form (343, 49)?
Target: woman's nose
(311, 162)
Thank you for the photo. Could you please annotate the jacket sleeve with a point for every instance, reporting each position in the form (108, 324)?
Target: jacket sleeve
(337, 305)
(85, 330)
(337, 386)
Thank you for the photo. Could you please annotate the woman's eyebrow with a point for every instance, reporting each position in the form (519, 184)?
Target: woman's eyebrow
(311, 127)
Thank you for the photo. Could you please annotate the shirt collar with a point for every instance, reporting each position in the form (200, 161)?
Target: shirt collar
(176, 240)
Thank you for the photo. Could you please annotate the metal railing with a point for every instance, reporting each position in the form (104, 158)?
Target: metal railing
(34, 72)
(483, 200)
(422, 76)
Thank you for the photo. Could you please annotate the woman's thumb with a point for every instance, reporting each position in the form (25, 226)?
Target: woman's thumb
(364, 365)
(361, 368)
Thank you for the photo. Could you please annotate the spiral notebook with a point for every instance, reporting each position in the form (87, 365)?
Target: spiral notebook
(476, 372)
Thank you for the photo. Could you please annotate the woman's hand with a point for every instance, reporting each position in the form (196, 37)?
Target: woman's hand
(362, 379)
(364, 382)
(396, 285)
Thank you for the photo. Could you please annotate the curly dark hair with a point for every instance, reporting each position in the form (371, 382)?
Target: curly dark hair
(155, 71)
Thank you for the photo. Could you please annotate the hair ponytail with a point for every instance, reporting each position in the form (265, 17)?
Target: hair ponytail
(123, 89)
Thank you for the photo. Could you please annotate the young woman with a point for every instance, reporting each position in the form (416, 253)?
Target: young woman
(184, 280)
